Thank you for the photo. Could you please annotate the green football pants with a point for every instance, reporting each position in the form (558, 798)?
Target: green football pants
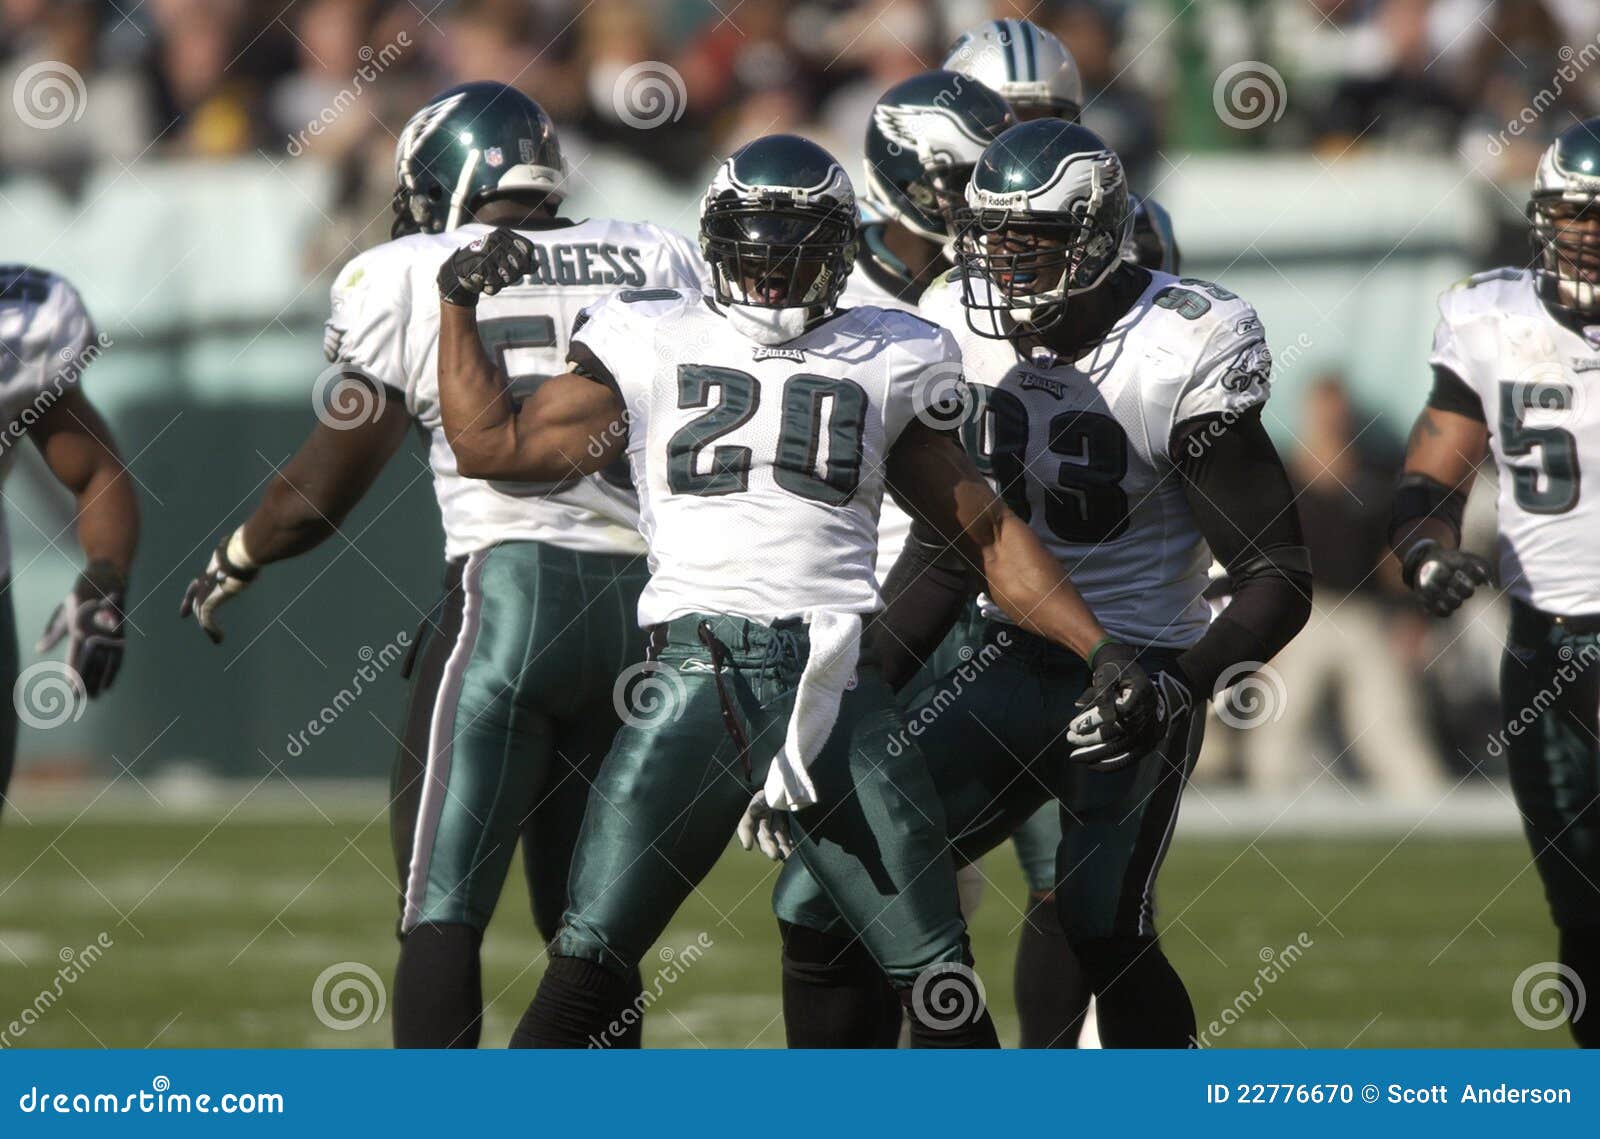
(994, 734)
(673, 788)
(1550, 695)
(511, 712)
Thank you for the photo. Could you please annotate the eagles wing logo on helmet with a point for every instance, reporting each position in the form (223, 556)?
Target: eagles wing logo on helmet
(926, 132)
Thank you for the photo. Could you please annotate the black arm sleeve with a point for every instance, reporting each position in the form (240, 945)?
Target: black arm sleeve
(923, 596)
(1452, 393)
(1244, 507)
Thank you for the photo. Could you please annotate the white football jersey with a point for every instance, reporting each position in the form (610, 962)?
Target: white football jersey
(894, 524)
(1536, 379)
(1082, 448)
(45, 335)
(385, 321)
(760, 469)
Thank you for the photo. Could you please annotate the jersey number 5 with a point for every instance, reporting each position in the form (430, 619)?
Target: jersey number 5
(1558, 450)
(813, 407)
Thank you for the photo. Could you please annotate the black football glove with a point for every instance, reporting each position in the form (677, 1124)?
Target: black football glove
(222, 579)
(484, 267)
(90, 619)
(1443, 578)
(1124, 712)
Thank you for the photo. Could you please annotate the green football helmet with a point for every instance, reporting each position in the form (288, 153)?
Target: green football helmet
(473, 143)
(925, 135)
(1564, 222)
(1048, 218)
(778, 229)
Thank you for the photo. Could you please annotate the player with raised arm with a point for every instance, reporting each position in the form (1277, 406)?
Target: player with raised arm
(1515, 344)
(761, 425)
(46, 342)
(512, 702)
(1122, 420)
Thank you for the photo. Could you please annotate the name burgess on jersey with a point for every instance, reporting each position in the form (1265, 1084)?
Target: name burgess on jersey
(1085, 450)
(749, 458)
(385, 325)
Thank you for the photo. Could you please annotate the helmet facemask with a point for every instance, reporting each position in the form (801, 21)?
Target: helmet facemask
(1019, 268)
(777, 265)
(1565, 234)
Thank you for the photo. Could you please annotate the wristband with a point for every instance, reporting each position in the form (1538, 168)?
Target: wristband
(237, 553)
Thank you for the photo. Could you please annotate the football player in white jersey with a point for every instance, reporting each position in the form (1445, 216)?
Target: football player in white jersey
(512, 701)
(46, 342)
(1122, 420)
(761, 425)
(1511, 357)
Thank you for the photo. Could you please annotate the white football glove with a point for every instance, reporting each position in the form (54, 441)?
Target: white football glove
(766, 828)
(226, 574)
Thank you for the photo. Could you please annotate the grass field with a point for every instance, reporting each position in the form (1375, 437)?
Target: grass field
(215, 926)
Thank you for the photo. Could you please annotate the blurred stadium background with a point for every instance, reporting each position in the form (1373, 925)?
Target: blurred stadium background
(201, 168)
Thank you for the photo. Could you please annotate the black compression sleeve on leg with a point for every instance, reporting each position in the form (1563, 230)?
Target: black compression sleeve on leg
(834, 994)
(1051, 991)
(1580, 952)
(1141, 1001)
(575, 1007)
(438, 988)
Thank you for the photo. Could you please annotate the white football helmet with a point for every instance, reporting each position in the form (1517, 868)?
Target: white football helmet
(1025, 64)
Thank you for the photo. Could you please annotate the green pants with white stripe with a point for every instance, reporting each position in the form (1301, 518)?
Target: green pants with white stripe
(672, 791)
(511, 713)
(994, 734)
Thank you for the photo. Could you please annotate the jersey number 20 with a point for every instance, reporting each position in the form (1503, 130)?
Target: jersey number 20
(813, 406)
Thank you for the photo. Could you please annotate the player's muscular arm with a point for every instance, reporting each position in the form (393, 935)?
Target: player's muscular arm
(311, 495)
(1448, 442)
(78, 448)
(1243, 505)
(571, 425)
(937, 481)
